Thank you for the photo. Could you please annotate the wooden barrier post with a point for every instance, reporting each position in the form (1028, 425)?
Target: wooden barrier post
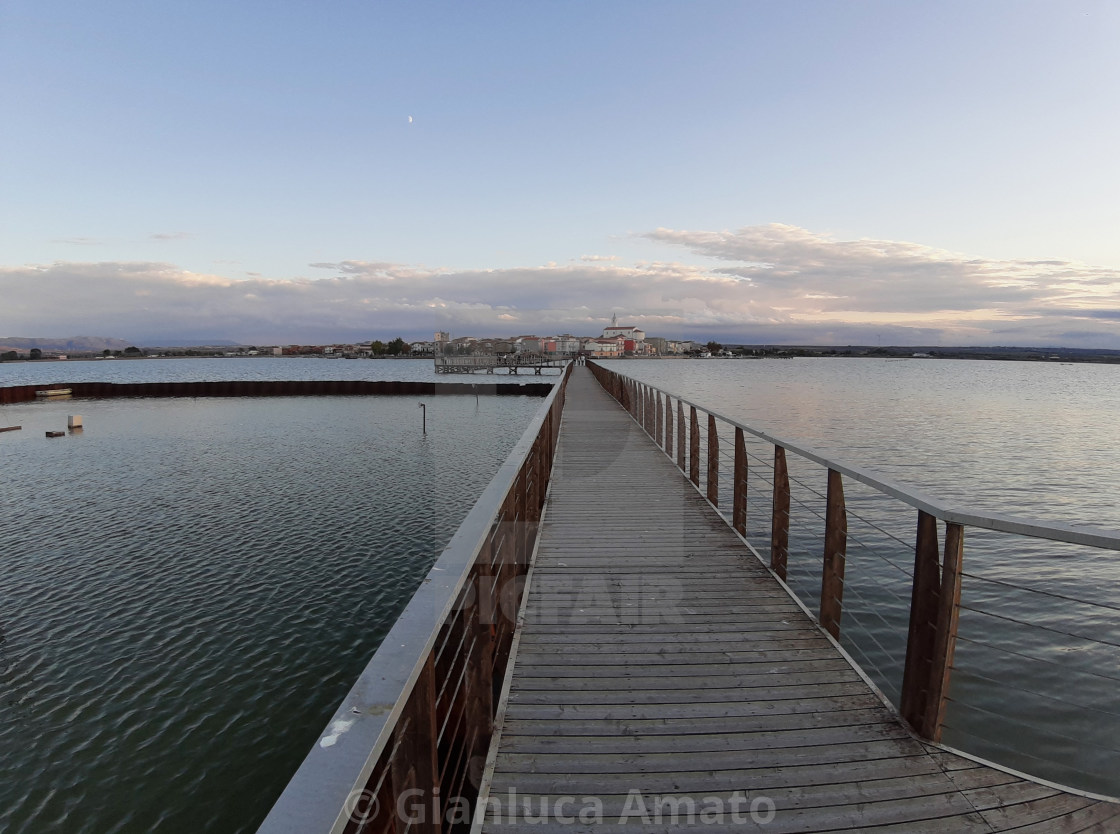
(779, 524)
(416, 763)
(931, 641)
(668, 427)
(680, 436)
(659, 411)
(480, 696)
(739, 489)
(693, 447)
(713, 461)
(835, 550)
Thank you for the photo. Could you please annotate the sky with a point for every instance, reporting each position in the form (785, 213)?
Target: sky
(788, 172)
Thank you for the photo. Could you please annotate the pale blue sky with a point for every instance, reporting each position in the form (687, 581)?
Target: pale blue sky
(252, 140)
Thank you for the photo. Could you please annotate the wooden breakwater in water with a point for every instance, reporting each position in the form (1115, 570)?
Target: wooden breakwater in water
(258, 388)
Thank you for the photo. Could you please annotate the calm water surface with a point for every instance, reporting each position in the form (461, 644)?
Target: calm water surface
(188, 587)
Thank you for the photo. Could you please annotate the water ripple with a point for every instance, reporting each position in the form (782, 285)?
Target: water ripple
(190, 587)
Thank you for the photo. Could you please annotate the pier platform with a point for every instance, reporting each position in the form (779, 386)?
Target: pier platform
(663, 678)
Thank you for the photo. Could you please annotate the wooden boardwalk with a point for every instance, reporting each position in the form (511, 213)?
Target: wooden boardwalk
(663, 679)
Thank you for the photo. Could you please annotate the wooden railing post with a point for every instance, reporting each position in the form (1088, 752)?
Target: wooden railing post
(739, 488)
(779, 524)
(416, 763)
(835, 550)
(659, 412)
(713, 461)
(480, 700)
(931, 641)
(693, 447)
(680, 436)
(668, 427)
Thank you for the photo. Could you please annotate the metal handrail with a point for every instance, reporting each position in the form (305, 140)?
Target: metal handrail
(361, 739)
(1101, 537)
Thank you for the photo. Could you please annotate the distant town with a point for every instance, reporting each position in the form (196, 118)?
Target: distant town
(616, 341)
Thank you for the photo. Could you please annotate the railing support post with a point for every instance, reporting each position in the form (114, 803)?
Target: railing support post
(739, 490)
(668, 427)
(416, 766)
(680, 436)
(835, 550)
(481, 684)
(934, 612)
(693, 447)
(713, 461)
(659, 423)
(779, 524)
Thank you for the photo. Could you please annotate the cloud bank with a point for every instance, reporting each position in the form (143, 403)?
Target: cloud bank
(760, 284)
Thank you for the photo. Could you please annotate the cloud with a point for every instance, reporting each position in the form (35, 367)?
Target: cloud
(80, 241)
(597, 258)
(171, 236)
(762, 284)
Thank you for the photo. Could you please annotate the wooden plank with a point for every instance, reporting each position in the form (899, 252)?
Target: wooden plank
(743, 680)
(641, 744)
(698, 709)
(1046, 810)
(663, 726)
(759, 778)
(530, 654)
(712, 695)
(1099, 818)
(676, 762)
(596, 672)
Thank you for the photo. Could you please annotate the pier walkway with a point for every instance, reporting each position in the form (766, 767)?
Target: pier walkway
(663, 678)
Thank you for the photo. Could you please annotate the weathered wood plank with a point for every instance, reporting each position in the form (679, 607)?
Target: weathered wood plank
(713, 695)
(758, 778)
(617, 727)
(695, 709)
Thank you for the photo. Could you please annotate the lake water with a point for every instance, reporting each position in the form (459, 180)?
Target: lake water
(189, 587)
(1037, 669)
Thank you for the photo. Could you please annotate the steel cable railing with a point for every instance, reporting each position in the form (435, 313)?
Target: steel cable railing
(1009, 659)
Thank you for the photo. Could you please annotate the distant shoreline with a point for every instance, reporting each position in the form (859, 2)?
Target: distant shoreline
(997, 354)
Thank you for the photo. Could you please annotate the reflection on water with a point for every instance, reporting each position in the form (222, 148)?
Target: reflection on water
(189, 588)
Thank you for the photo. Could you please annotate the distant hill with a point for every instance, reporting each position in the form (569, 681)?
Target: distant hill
(68, 343)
